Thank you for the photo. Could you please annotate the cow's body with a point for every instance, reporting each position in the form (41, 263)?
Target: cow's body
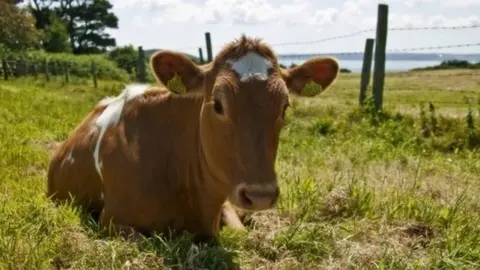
(77, 161)
(151, 160)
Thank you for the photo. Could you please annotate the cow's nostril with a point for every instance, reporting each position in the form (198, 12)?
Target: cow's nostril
(256, 197)
(244, 197)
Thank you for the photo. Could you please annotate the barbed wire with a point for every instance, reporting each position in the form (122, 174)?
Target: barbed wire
(435, 47)
(367, 30)
(373, 30)
(301, 56)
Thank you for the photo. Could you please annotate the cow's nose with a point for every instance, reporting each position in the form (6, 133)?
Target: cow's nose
(257, 197)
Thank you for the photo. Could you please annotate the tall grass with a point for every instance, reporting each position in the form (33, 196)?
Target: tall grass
(359, 189)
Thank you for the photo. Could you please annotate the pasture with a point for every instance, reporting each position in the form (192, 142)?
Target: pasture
(397, 190)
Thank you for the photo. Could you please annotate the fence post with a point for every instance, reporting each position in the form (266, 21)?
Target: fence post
(380, 49)
(47, 75)
(209, 47)
(141, 76)
(35, 70)
(5, 69)
(26, 67)
(200, 55)
(20, 68)
(53, 69)
(366, 69)
(94, 74)
(66, 69)
(16, 69)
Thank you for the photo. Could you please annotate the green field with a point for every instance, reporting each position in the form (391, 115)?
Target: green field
(398, 190)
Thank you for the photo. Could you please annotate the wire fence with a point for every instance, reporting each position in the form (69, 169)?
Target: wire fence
(364, 31)
(18, 68)
(367, 56)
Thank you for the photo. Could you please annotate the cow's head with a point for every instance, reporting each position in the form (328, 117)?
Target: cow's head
(246, 94)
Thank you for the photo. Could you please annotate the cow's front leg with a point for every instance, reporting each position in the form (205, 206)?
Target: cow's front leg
(229, 217)
(108, 223)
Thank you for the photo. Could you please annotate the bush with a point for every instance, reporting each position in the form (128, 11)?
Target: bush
(79, 65)
(125, 57)
(451, 64)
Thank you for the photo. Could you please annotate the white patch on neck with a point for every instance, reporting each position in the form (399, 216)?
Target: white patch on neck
(70, 158)
(251, 64)
(111, 115)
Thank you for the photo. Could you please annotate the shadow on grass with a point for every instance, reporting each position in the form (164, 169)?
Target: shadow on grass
(179, 251)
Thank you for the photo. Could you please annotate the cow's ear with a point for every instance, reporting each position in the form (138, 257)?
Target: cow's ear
(176, 71)
(312, 77)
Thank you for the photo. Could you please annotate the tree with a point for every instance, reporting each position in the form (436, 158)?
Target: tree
(125, 57)
(85, 21)
(17, 27)
(56, 36)
(43, 11)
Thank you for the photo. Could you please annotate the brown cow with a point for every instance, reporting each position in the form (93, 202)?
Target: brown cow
(153, 160)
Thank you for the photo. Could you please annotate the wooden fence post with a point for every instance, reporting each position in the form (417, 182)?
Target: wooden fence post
(45, 65)
(5, 69)
(66, 69)
(26, 69)
(209, 47)
(380, 50)
(366, 69)
(35, 70)
(94, 74)
(53, 69)
(141, 76)
(200, 55)
(16, 70)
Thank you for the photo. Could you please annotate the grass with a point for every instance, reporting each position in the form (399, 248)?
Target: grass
(397, 190)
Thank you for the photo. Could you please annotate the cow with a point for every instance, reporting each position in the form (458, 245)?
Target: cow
(183, 154)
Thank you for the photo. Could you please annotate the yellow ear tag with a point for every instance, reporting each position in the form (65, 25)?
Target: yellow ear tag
(176, 85)
(312, 89)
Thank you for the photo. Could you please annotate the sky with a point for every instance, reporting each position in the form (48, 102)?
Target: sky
(181, 24)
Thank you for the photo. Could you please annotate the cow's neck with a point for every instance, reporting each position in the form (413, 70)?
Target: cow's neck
(212, 185)
(210, 190)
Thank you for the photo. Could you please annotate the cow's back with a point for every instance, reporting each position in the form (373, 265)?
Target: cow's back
(71, 173)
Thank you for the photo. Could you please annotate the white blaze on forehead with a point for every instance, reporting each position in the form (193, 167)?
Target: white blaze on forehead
(111, 115)
(251, 64)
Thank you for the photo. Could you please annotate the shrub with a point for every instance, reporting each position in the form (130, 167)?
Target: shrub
(78, 65)
(451, 64)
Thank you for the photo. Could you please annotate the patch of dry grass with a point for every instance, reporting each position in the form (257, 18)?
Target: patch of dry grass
(359, 190)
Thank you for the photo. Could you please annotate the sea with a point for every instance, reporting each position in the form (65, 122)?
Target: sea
(391, 65)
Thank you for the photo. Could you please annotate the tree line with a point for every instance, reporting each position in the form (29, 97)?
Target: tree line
(77, 26)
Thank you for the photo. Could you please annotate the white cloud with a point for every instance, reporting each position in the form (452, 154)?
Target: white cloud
(297, 12)
(460, 3)
(415, 3)
(417, 20)
(443, 3)
(239, 11)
